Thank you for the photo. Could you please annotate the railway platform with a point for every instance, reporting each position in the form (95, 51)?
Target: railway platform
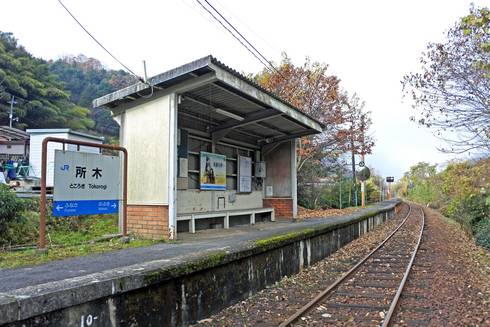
(178, 282)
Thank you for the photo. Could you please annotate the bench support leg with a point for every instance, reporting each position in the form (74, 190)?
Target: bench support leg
(227, 221)
(252, 218)
(192, 225)
(273, 216)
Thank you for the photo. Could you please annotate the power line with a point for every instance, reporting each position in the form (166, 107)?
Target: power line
(233, 34)
(243, 37)
(273, 47)
(100, 44)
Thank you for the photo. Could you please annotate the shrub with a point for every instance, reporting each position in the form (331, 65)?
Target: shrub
(10, 209)
(22, 230)
(482, 233)
(470, 211)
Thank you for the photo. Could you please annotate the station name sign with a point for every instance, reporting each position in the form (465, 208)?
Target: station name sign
(85, 183)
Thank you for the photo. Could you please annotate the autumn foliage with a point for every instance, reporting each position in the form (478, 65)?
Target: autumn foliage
(451, 91)
(312, 89)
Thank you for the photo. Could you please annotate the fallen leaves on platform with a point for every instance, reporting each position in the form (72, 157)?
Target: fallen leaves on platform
(304, 213)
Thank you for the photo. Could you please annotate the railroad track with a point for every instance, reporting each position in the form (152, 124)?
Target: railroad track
(368, 294)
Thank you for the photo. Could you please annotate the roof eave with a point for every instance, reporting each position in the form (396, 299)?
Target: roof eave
(155, 80)
(224, 74)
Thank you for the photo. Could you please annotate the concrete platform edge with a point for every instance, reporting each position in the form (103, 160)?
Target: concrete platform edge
(32, 301)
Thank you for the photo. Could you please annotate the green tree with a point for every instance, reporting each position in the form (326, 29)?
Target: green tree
(86, 79)
(420, 179)
(41, 98)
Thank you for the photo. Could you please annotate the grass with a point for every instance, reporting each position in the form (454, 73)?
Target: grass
(74, 231)
(72, 237)
(32, 257)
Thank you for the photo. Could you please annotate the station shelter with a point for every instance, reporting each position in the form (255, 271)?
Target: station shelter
(207, 148)
(14, 143)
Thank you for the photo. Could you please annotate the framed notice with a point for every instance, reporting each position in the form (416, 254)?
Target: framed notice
(244, 174)
(212, 174)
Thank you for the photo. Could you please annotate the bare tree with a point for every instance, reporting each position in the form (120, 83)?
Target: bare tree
(451, 94)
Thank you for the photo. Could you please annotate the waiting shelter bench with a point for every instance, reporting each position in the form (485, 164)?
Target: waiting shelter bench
(226, 214)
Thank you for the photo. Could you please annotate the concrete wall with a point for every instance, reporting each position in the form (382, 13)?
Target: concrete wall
(279, 170)
(14, 149)
(190, 201)
(179, 295)
(145, 134)
(281, 175)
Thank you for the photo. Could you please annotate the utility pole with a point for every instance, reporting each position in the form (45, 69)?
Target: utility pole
(353, 163)
(11, 115)
(381, 189)
(362, 186)
(340, 189)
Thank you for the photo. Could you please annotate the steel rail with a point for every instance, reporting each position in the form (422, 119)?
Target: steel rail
(325, 292)
(394, 303)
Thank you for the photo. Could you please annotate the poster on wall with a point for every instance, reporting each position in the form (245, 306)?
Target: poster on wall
(244, 174)
(212, 174)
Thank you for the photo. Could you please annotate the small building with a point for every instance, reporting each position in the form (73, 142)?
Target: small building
(36, 139)
(207, 147)
(14, 143)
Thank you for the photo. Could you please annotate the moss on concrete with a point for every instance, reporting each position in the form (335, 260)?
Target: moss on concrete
(208, 261)
(281, 239)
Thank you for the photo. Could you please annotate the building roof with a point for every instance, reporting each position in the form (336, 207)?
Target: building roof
(13, 135)
(64, 131)
(210, 75)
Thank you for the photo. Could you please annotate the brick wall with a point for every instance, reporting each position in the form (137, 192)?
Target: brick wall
(148, 221)
(283, 207)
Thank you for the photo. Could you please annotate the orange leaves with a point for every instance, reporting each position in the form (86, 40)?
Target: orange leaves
(315, 92)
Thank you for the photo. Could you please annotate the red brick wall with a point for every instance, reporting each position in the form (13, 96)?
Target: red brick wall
(148, 221)
(283, 207)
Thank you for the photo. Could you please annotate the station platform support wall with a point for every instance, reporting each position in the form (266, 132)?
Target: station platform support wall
(170, 292)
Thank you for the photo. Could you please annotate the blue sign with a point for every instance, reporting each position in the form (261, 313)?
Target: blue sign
(85, 184)
(84, 207)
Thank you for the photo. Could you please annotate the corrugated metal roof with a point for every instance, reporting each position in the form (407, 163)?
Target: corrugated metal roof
(191, 70)
(12, 134)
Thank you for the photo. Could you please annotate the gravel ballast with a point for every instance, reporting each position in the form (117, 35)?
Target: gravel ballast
(456, 285)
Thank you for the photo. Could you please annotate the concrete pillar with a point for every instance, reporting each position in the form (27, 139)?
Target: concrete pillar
(294, 182)
(121, 120)
(172, 167)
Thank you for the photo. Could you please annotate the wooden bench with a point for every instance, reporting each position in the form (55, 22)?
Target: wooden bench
(226, 214)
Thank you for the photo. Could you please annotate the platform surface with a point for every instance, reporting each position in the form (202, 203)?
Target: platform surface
(187, 246)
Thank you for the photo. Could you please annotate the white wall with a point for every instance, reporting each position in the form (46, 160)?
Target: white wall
(191, 201)
(35, 153)
(145, 134)
(15, 149)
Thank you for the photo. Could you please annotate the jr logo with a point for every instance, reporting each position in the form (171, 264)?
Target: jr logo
(65, 167)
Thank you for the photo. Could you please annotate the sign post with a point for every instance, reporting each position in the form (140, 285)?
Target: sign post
(86, 183)
(363, 175)
(389, 180)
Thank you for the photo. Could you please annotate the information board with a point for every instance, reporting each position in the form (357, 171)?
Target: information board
(244, 174)
(85, 183)
(212, 174)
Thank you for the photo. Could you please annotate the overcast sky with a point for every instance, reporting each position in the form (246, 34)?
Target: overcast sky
(369, 45)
